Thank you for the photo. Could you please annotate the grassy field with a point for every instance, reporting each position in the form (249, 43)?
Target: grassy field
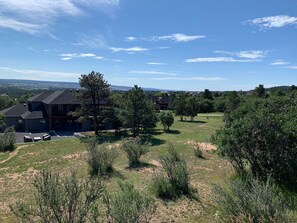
(18, 168)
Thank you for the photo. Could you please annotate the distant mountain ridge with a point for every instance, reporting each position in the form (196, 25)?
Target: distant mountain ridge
(54, 85)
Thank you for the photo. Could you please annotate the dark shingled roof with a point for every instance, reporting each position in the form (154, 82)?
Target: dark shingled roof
(62, 97)
(33, 115)
(40, 97)
(15, 111)
(56, 97)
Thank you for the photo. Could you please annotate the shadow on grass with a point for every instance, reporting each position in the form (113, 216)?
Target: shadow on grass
(140, 166)
(111, 174)
(195, 121)
(174, 132)
(106, 137)
(152, 140)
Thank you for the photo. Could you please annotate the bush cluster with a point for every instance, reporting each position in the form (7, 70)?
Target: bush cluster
(58, 200)
(134, 150)
(175, 181)
(100, 158)
(250, 200)
(7, 140)
(129, 206)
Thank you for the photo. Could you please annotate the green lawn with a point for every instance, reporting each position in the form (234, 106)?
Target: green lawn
(17, 173)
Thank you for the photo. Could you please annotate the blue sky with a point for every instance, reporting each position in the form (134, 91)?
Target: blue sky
(167, 44)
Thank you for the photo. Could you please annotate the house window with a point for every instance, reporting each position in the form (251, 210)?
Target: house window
(42, 121)
(20, 121)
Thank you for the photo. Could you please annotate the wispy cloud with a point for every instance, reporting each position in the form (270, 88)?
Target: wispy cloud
(35, 16)
(41, 74)
(291, 67)
(95, 41)
(69, 56)
(279, 62)
(130, 39)
(156, 63)
(248, 54)
(176, 37)
(131, 49)
(273, 21)
(19, 26)
(218, 59)
(189, 78)
(152, 72)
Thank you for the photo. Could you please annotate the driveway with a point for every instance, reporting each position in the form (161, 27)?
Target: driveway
(57, 136)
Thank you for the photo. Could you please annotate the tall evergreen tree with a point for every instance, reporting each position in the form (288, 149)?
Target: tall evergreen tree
(136, 111)
(95, 90)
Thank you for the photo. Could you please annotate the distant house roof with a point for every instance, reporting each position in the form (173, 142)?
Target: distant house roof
(21, 111)
(33, 115)
(56, 97)
(40, 97)
(15, 111)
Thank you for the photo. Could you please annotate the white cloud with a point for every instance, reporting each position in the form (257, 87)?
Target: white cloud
(131, 49)
(66, 58)
(177, 37)
(87, 55)
(291, 67)
(189, 78)
(248, 54)
(41, 73)
(99, 58)
(130, 39)
(151, 72)
(279, 62)
(156, 63)
(273, 21)
(217, 59)
(34, 16)
(70, 56)
(164, 47)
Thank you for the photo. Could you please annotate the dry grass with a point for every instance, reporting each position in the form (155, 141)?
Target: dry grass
(19, 168)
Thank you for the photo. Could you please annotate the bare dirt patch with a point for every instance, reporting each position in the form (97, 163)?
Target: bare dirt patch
(204, 146)
(14, 153)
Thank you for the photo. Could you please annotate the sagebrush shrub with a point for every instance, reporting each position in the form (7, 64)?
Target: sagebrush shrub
(129, 205)
(134, 150)
(250, 200)
(198, 152)
(100, 158)
(175, 181)
(58, 200)
(7, 140)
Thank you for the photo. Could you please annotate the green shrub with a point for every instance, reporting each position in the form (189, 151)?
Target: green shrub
(163, 188)
(59, 200)
(100, 158)
(251, 200)
(260, 137)
(198, 152)
(175, 181)
(134, 150)
(129, 206)
(7, 140)
(167, 119)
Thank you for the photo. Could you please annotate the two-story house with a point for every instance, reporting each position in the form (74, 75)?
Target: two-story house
(47, 111)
